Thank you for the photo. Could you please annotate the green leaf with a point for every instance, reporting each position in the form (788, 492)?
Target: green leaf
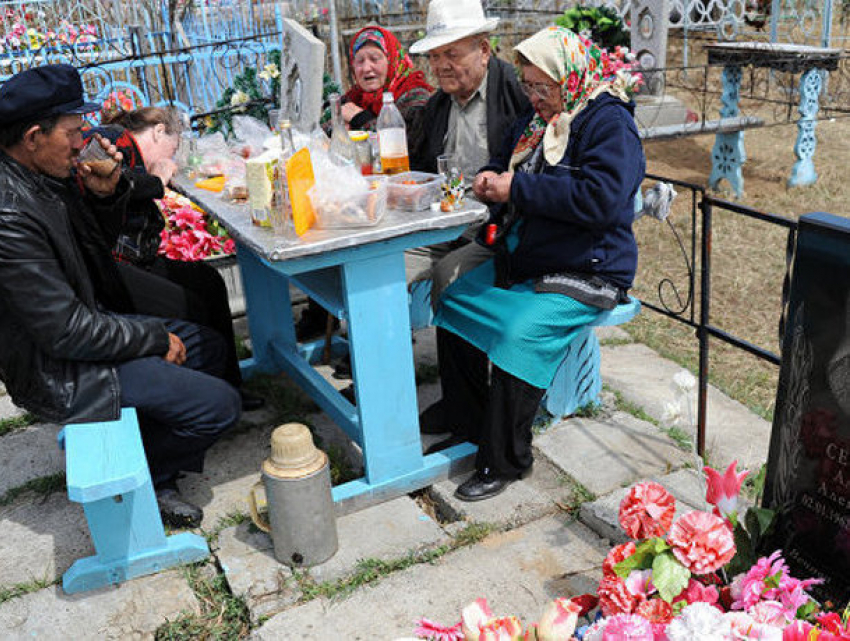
(807, 609)
(669, 576)
(765, 518)
(642, 558)
(745, 555)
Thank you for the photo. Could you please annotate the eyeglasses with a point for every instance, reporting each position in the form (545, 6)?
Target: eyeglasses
(539, 89)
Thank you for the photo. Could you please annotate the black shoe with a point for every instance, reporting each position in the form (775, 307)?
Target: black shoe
(432, 421)
(313, 324)
(177, 512)
(343, 368)
(251, 402)
(482, 485)
(445, 444)
(348, 394)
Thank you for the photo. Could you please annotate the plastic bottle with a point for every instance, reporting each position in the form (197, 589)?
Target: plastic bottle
(342, 148)
(281, 210)
(392, 138)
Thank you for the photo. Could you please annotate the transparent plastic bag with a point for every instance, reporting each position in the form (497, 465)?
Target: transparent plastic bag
(249, 136)
(342, 198)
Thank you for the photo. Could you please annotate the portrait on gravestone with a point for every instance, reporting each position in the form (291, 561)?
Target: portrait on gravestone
(808, 473)
(302, 64)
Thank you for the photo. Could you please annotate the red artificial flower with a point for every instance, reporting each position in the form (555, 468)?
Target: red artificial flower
(614, 597)
(427, 629)
(702, 542)
(647, 511)
(586, 602)
(615, 555)
(723, 489)
(655, 611)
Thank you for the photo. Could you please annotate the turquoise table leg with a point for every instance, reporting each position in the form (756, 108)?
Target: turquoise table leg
(803, 172)
(382, 365)
(269, 312)
(728, 155)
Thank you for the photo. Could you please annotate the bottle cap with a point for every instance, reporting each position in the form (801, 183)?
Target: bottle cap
(293, 453)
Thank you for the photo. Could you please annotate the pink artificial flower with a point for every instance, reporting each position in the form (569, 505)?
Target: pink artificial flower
(647, 511)
(639, 583)
(696, 592)
(743, 626)
(501, 629)
(618, 553)
(559, 620)
(628, 627)
(799, 631)
(771, 613)
(831, 623)
(655, 611)
(427, 629)
(723, 489)
(473, 617)
(770, 580)
(614, 596)
(702, 542)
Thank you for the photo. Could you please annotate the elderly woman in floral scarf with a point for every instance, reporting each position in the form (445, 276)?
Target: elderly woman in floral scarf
(378, 64)
(557, 250)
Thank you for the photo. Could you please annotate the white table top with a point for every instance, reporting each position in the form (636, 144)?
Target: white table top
(236, 219)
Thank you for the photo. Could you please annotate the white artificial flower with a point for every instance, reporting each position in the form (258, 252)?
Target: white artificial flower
(239, 98)
(684, 380)
(269, 72)
(698, 622)
(672, 413)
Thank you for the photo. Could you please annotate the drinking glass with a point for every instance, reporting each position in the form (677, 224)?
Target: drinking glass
(451, 187)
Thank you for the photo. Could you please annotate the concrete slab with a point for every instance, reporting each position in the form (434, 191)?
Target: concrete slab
(612, 333)
(28, 454)
(517, 571)
(520, 503)
(387, 531)
(41, 538)
(133, 610)
(602, 515)
(610, 452)
(645, 378)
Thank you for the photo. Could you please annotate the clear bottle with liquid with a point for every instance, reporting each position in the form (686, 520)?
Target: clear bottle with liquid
(281, 209)
(392, 138)
(342, 147)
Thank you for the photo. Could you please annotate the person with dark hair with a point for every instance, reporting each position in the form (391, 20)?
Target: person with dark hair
(562, 193)
(72, 348)
(148, 138)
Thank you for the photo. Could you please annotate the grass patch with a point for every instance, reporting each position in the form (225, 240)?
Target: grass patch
(21, 589)
(288, 402)
(370, 571)
(680, 437)
(43, 486)
(242, 349)
(222, 616)
(427, 373)
(591, 410)
(341, 469)
(16, 423)
(614, 342)
(628, 407)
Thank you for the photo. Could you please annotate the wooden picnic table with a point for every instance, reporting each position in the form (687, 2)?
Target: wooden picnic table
(358, 275)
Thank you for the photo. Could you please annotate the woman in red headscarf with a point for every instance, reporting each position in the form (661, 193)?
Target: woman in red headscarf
(379, 63)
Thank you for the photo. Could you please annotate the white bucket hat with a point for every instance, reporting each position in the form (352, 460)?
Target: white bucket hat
(451, 20)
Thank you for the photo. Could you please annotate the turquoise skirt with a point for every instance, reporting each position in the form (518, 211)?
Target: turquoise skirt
(523, 332)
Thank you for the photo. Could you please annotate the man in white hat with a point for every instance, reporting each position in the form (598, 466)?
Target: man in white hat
(479, 95)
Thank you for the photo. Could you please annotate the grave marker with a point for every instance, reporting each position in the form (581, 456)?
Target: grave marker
(302, 66)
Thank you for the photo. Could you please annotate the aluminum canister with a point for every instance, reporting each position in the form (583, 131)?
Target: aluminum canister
(297, 482)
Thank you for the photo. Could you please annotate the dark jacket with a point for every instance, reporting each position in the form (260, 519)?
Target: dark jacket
(577, 215)
(135, 236)
(57, 346)
(505, 102)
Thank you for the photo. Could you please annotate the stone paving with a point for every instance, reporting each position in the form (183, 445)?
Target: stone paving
(547, 534)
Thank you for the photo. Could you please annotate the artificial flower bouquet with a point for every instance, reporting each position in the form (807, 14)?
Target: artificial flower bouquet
(672, 582)
(190, 234)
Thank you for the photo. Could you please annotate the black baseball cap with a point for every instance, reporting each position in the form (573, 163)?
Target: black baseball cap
(51, 90)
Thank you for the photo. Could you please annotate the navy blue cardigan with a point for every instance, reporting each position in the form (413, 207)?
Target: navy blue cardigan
(578, 213)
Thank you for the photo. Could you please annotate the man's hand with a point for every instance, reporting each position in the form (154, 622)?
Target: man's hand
(163, 169)
(102, 185)
(492, 187)
(349, 110)
(176, 350)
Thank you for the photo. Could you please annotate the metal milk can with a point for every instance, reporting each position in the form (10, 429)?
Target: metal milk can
(297, 482)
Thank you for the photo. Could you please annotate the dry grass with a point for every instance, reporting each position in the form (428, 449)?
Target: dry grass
(748, 256)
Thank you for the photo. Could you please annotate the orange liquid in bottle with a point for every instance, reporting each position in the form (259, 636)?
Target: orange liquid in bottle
(395, 164)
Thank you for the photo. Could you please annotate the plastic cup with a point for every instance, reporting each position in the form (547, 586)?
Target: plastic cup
(95, 158)
(452, 188)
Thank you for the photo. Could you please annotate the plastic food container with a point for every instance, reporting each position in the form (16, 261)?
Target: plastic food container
(413, 190)
(338, 211)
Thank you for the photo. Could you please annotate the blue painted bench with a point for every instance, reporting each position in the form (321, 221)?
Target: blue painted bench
(107, 472)
(577, 381)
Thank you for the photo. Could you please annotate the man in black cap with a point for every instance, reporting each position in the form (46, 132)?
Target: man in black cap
(71, 348)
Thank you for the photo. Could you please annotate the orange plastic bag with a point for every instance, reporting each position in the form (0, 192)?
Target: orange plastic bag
(216, 184)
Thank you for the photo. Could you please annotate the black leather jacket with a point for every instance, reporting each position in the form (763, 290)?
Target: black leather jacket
(57, 346)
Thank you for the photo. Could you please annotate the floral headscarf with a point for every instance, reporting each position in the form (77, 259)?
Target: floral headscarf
(401, 77)
(575, 63)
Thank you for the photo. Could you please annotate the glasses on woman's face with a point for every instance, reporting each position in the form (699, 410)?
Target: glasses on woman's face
(540, 89)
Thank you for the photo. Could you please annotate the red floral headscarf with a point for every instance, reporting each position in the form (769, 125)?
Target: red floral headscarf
(401, 77)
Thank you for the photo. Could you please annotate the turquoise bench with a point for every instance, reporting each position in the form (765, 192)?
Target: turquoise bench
(107, 473)
(577, 382)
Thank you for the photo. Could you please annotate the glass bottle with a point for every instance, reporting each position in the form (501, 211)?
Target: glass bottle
(342, 148)
(281, 210)
(392, 138)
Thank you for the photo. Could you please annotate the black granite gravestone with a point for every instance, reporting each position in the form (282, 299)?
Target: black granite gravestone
(808, 470)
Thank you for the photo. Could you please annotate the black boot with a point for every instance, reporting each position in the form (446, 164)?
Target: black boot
(176, 511)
